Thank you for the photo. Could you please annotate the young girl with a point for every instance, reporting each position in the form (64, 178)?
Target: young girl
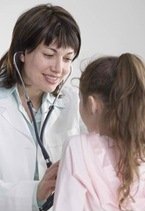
(104, 170)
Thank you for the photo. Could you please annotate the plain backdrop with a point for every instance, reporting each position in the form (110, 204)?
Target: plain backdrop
(108, 27)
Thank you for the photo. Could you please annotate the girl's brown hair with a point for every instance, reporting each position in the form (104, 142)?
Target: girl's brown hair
(120, 82)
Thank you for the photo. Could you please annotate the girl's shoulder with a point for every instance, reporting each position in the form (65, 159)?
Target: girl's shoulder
(93, 139)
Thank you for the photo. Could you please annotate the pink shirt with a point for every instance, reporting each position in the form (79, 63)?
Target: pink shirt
(87, 179)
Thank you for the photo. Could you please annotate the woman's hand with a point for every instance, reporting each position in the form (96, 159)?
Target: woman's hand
(47, 185)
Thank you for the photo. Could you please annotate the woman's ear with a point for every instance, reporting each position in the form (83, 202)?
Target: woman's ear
(22, 57)
(93, 104)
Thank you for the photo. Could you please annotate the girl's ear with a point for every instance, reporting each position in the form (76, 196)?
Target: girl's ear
(93, 104)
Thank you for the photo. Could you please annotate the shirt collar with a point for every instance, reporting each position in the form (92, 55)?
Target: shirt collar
(59, 103)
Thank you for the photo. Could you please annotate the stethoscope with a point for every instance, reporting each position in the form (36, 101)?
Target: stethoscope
(39, 138)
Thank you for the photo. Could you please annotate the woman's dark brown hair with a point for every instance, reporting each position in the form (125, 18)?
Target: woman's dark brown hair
(120, 82)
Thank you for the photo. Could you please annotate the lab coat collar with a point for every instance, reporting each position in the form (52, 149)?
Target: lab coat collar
(47, 100)
(10, 111)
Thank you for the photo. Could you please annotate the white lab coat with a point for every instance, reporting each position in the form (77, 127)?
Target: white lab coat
(18, 149)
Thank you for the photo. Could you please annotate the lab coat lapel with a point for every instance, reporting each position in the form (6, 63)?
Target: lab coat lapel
(10, 112)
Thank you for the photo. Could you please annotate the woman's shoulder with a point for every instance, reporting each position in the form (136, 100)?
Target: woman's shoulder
(70, 92)
(70, 99)
(4, 92)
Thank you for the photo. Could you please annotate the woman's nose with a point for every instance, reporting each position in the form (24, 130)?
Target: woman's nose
(58, 66)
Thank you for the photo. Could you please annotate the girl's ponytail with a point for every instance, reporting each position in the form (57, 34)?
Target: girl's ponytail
(126, 117)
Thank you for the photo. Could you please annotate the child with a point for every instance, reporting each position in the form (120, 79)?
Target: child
(104, 170)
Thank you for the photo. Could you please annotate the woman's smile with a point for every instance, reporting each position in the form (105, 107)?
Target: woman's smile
(52, 79)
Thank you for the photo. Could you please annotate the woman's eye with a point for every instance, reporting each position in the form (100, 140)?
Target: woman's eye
(48, 55)
(68, 59)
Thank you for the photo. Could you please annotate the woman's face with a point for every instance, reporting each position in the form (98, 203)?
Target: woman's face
(46, 66)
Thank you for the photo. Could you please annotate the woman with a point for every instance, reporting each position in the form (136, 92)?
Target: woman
(45, 41)
(104, 170)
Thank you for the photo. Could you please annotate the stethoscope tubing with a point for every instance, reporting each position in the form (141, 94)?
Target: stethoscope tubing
(39, 140)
